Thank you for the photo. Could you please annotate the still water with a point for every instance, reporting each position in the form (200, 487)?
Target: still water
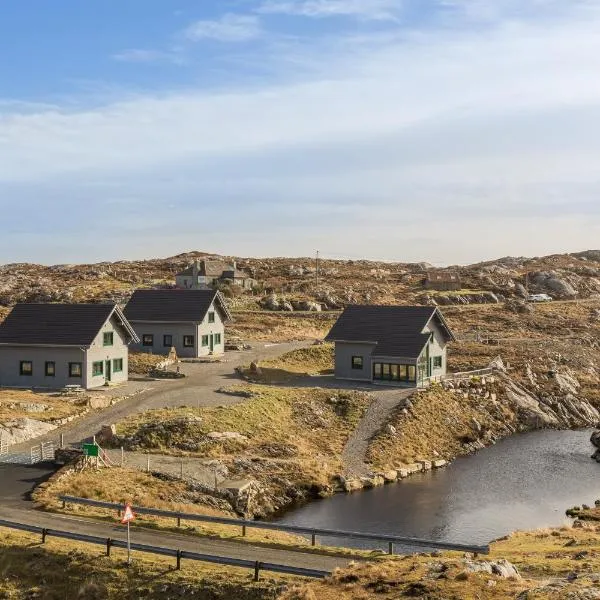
(526, 481)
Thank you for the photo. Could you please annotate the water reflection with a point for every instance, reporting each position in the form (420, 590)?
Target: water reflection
(524, 482)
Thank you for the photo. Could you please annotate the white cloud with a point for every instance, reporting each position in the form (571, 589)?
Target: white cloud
(139, 55)
(449, 145)
(229, 28)
(366, 9)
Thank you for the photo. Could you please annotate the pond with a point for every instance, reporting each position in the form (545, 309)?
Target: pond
(526, 481)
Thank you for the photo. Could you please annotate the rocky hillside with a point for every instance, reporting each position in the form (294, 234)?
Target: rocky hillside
(293, 283)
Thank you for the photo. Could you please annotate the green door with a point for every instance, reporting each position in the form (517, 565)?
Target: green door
(211, 341)
(108, 370)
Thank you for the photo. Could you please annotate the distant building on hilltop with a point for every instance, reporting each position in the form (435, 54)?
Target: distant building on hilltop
(442, 281)
(203, 274)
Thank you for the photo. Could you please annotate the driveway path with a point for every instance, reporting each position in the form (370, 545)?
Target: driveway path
(378, 413)
(198, 389)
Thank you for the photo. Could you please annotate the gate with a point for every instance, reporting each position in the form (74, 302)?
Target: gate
(45, 451)
(3, 446)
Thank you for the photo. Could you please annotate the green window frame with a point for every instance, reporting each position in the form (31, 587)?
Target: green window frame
(26, 368)
(108, 338)
(50, 369)
(211, 316)
(75, 370)
(117, 365)
(357, 363)
(188, 341)
(217, 338)
(98, 368)
(437, 362)
(204, 340)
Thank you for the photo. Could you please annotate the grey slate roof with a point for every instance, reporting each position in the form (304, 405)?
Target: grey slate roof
(173, 306)
(396, 330)
(57, 324)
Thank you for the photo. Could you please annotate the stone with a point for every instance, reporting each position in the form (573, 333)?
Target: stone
(390, 476)
(402, 473)
(352, 485)
(226, 435)
(372, 481)
(425, 465)
(438, 464)
(391, 429)
(414, 468)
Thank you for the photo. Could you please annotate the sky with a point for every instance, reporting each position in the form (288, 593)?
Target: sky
(447, 131)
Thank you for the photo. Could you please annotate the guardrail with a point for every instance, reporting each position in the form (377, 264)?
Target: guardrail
(391, 540)
(179, 555)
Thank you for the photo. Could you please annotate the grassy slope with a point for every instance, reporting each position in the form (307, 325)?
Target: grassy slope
(143, 489)
(301, 421)
(62, 570)
(544, 559)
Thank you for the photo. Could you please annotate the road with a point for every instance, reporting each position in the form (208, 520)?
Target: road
(174, 541)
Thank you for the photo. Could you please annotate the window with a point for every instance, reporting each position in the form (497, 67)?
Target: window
(75, 370)
(211, 316)
(217, 338)
(108, 338)
(412, 373)
(117, 365)
(437, 362)
(205, 340)
(377, 371)
(167, 341)
(188, 341)
(26, 367)
(147, 339)
(50, 369)
(357, 362)
(97, 368)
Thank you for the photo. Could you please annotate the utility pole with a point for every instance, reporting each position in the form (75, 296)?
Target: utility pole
(317, 272)
(527, 282)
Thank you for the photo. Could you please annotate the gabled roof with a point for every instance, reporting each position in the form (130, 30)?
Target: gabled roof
(59, 324)
(206, 268)
(174, 306)
(396, 330)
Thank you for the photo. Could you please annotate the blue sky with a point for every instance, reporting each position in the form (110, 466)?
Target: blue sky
(440, 130)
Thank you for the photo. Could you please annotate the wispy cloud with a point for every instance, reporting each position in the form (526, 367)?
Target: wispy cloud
(443, 144)
(229, 28)
(138, 55)
(364, 9)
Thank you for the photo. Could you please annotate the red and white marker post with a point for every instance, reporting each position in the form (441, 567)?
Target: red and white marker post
(128, 516)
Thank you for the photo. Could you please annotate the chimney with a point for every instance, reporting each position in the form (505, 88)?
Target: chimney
(234, 264)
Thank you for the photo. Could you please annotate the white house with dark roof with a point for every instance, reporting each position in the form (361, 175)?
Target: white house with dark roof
(403, 345)
(191, 321)
(54, 345)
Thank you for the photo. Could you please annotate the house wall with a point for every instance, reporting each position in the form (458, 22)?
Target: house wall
(443, 286)
(11, 357)
(437, 347)
(99, 352)
(178, 330)
(158, 330)
(189, 282)
(344, 351)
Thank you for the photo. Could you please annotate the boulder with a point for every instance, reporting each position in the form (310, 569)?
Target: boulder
(595, 439)
(390, 476)
(438, 464)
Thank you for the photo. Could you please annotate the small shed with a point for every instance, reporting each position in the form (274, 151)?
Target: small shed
(442, 281)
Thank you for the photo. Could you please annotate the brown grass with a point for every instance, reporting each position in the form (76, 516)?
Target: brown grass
(64, 570)
(540, 556)
(281, 327)
(299, 427)
(437, 425)
(140, 362)
(14, 405)
(121, 485)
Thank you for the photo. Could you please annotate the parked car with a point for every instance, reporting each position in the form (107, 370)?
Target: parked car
(539, 298)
